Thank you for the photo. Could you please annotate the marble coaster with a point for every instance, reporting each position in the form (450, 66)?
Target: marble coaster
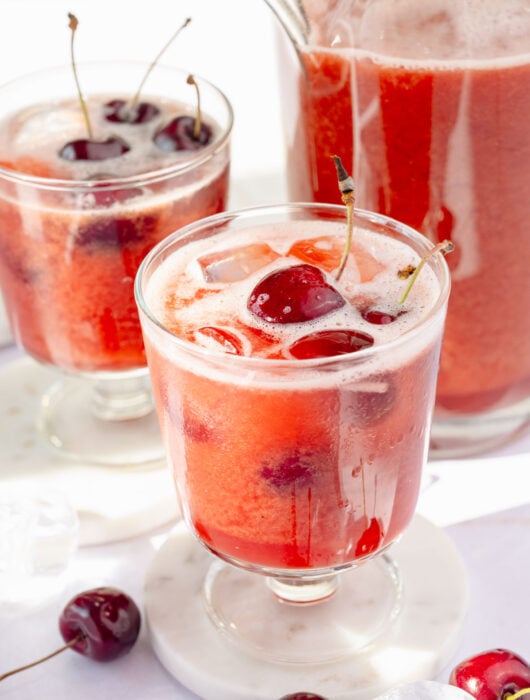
(112, 502)
(417, 646)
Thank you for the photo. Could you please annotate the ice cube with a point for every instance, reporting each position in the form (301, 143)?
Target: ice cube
(425, 690)
(39, 126)
(326, 252)
(38, 538)
(234, 264)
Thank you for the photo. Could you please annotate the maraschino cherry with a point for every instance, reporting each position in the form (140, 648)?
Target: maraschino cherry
(496, 674)
(101, 623)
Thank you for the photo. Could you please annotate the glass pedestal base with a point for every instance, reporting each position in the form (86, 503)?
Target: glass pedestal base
(357, 606)
(417, 646)
(107, 422)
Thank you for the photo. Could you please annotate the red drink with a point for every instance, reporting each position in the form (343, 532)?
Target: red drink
(441, 143)
(72, 234)
(282, 462)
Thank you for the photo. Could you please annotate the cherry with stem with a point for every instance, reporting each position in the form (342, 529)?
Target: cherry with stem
(88, 149)
(101, 623)
(73, 23)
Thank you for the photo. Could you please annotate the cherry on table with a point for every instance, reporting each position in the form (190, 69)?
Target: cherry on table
(179, 135)
(496, 674)
(92, 150)
(105, 620)
(294, 294)
(101, 623)
(121, 112)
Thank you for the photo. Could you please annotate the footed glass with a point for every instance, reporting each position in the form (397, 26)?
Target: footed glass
(72, 235)
(297, 474)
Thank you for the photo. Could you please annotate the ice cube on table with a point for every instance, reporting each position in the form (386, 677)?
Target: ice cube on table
(234, 264)
(38, 538)
(425, 690)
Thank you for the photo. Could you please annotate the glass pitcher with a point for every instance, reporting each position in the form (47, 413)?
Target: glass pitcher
(428, 103)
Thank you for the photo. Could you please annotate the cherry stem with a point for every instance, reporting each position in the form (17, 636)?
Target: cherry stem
(197, 127)
(71, 643)
(73, 24)
(518, 694)
(172, 38)
(347, 191)
(444, 247)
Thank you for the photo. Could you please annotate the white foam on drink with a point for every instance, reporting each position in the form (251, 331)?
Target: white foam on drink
(181, 276)
(41, 131)
(429, 30)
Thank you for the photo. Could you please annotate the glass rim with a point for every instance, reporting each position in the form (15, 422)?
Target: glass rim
(242, 361)
(149, 176)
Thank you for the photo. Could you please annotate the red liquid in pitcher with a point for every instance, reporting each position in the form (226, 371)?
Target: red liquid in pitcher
(444, 146)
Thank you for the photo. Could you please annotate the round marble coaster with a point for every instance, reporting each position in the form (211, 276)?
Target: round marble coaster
(418, 645)
(112, 502)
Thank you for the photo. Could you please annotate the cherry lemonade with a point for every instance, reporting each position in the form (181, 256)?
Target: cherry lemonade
(295, 408)
(78, 214)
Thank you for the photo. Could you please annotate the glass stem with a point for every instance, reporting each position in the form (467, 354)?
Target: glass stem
(303, 590)
(122, 399)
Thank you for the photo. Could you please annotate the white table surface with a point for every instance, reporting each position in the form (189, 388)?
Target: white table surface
(483, 503)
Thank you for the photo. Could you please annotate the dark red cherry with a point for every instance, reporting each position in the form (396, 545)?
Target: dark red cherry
(294, 469)
(302, 696)
(495, 674)
(89, 149)
(379, 318)
(115, 232)
(179, 135)
(330, 344)
(294, 294)
(107, 621)
(119, 111)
